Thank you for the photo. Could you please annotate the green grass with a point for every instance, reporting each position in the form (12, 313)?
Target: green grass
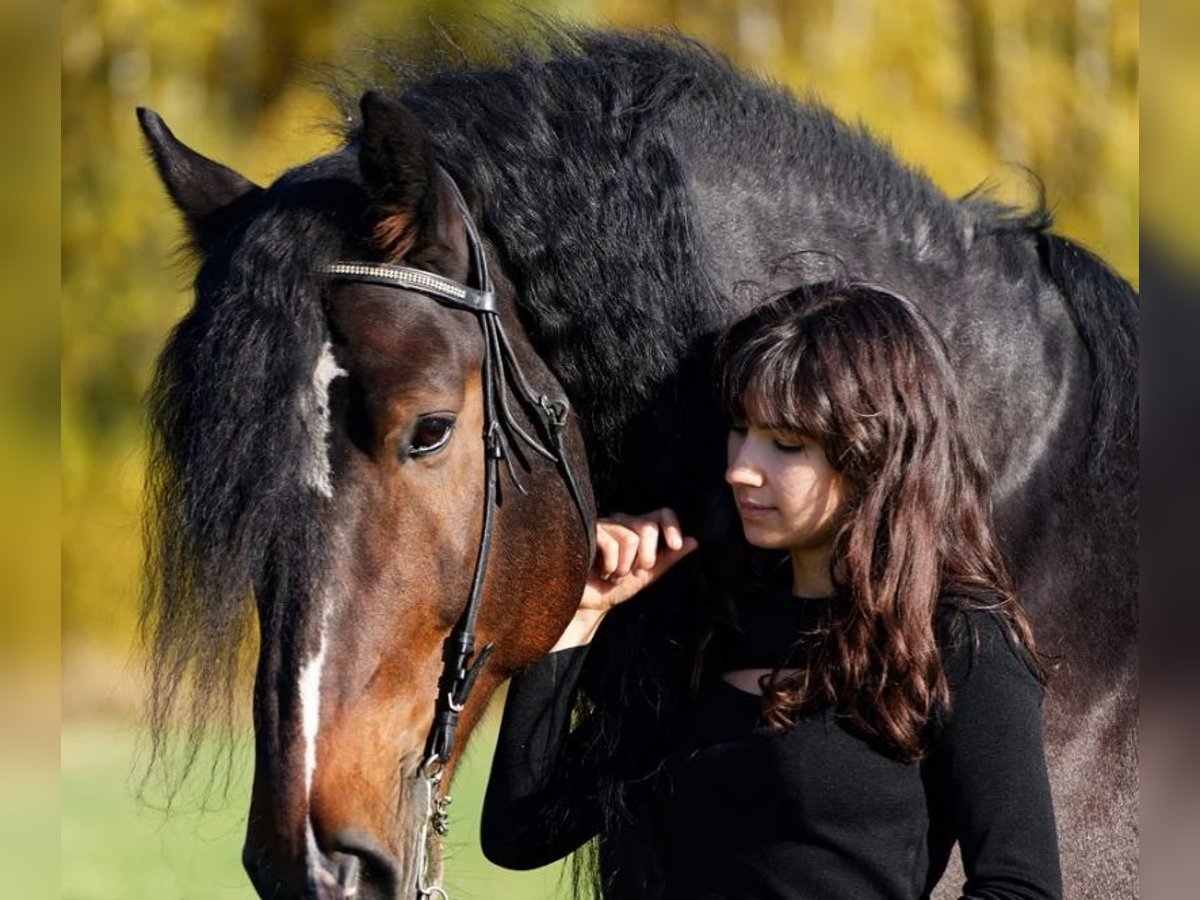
(28, 823)
(113, 848)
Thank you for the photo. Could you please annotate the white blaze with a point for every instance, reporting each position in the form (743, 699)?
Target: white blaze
(314, 412)
(310, 711)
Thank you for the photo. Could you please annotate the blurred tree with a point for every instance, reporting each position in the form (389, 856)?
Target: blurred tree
(29, 570)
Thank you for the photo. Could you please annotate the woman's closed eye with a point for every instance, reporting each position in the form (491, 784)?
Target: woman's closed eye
(790, 444)
(786, 441)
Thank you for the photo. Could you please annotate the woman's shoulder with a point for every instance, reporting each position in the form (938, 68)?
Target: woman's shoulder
(979, 633)
(959, 612)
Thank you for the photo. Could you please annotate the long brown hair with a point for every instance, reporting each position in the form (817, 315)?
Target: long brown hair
(860, 370)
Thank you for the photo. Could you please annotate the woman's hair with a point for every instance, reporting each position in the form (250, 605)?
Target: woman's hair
(858, 369)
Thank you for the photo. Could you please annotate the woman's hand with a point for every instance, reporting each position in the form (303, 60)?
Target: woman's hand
(628, 558)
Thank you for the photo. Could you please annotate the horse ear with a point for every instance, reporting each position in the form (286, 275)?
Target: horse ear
(398, 168)
(200, 187)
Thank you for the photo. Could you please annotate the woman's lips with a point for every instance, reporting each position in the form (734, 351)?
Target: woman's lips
(753, 510)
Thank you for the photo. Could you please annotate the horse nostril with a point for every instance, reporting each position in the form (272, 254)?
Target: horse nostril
(334, 877)
(349, 875)
(361, 859)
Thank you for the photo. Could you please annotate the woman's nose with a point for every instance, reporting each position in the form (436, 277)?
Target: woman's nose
(743, 476)
(741, 471)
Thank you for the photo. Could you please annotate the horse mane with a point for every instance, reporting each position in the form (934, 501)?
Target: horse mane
(576, 145)
(1103, 307)
(566, 148)
(227, 508)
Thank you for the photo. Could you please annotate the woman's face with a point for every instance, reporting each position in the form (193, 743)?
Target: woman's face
(788, 495)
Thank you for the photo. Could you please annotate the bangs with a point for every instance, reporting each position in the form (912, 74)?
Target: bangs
(772, 381)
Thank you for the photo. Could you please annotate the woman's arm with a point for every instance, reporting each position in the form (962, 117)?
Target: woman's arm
(538, 806)
(540, 803)
(991, 766)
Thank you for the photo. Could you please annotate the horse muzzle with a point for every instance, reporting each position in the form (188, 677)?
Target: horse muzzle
(353, 865)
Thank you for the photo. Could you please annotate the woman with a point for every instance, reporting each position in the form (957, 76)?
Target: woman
(866, 692)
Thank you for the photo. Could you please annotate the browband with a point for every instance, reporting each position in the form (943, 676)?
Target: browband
(441, 289)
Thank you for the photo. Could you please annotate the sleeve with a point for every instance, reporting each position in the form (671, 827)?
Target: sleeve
(540, 803)
(991, 762)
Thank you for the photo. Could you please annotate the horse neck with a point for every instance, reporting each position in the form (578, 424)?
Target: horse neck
(803, 197)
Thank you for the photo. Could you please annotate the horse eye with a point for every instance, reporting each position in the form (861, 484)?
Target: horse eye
(431, 434)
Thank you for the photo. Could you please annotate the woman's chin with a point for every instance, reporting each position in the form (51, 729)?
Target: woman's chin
(762, 537)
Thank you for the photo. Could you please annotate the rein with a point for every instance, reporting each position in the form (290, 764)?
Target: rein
(501, 372)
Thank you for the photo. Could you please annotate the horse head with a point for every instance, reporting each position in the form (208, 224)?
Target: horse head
(319, 445)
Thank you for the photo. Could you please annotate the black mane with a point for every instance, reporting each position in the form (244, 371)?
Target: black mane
(570, 153)
(583, 149)
(225, 494)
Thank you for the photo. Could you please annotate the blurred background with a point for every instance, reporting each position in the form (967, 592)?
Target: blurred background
(971, 91)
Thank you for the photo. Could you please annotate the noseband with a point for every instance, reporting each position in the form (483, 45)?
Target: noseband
(501, 432)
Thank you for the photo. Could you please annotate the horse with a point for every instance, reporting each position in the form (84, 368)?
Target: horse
(609, 202)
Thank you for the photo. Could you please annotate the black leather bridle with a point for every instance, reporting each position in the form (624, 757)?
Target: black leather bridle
(501, 431)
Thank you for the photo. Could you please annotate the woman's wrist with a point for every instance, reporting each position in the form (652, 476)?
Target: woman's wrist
(581, 629)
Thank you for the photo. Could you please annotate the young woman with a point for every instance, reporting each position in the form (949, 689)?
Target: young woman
(866, 691)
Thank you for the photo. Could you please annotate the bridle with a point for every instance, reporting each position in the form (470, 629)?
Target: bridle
(501, 371)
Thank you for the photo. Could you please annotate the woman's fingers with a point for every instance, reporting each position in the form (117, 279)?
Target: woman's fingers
(606, 552)
(628, 545)
(647, 549)
(616, 549)
(672, 533)
(650, 527)
(607, 594)
(644, 541)
(628, 541)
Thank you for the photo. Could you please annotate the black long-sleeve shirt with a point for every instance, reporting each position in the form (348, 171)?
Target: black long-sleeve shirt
(816, 812)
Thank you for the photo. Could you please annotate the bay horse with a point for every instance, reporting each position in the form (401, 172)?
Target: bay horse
(317, 468)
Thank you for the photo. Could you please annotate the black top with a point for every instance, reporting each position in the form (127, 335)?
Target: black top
(816, 812)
